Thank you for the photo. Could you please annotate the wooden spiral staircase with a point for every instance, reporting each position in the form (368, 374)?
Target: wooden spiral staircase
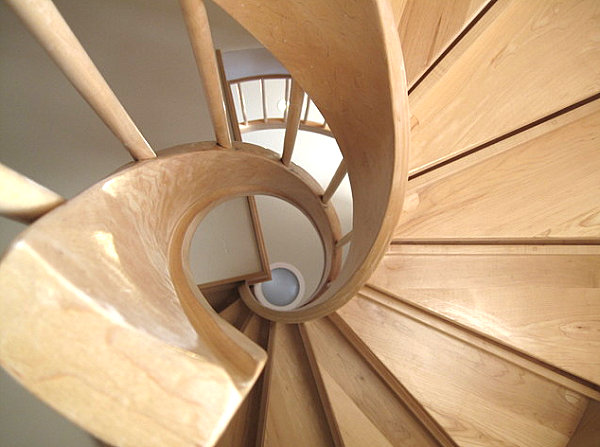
(478, 325)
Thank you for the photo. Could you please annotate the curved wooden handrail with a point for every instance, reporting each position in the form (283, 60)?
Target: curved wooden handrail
(101, 285)
(359, 85)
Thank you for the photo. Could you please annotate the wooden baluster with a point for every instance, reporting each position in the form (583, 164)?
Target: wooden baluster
(293, 121)
(22, 199)
(230, 105)
(263, 94)
(242, 103)
(48, 26)
(334, 184)
(196, 20)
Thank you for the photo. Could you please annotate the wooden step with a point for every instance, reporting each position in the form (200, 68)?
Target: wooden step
(478, 398)
(588, 430)
(521, 62)
(242, 430)
(237, 314)
(294, 413)
(543, 183)
(427, 29)
(540, 300)
(364, 406)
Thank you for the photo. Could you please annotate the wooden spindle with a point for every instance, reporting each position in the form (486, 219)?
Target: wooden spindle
(263, 95)
(335, 182)
(293, 121)
(196, 20)
(344, 240)
(48, 26)
(230, 105)
(242, 103)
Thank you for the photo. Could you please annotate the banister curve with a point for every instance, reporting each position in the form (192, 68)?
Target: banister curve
(354, 72)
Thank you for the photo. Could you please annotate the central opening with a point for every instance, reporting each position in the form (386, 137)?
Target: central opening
(285, 290)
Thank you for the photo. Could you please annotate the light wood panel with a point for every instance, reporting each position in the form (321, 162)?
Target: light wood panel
(521, 62)
(196, 20)
(294, 414)
(23, 199)
(543, 183)
(357, 394)
(545, 305)
(478, 398)
(372, 132)
(428, 28)
(588, 430)
(48, 26)
(242, 429)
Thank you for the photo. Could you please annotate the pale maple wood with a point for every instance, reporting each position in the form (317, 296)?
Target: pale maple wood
(242, 103)
(23, 199)
(335, 182)
(478, 398)
(543, 301)
(236, 314)
(345, 239)
(260, 241)
(294, 413)
(543, 183)
(228, 95)
(427, 29)
(408, 399)
(116, 279)
(588, 430)
(221, 296)
(242, 430)
(363, 405)
(521, 62)
(196, 20)
(292, 119)
(374, 145)
(319, 379)
(48, 26)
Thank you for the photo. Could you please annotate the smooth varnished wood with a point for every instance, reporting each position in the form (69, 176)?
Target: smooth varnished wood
(294, 110)
(228, 95)
(110, 273)
(243, 428)
(542, 301)
(543, 184)
(196, 20)
(588, 430)
(48, 26)
(334, 184)
(294, 413)
(521, 62)
(236, 314)
(364, 406)
(260, 240)
(372, 132)
(478, 398)
(428, 28)
(22, 199)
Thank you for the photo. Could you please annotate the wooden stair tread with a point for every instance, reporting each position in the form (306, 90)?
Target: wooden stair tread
(356, 429)
(522, 61)
(478, 398)
(294, 412)
(356, 390)
(543, 301)
(236, 314)
(539, 184)
(588, 430)
(427, 28)
(243, 428)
